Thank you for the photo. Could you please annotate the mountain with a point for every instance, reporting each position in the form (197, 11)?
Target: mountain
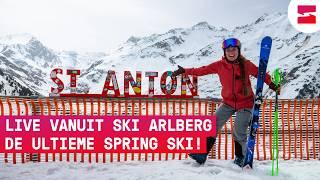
(29, 62)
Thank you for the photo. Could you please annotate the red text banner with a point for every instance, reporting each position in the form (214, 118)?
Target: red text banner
(122, 134)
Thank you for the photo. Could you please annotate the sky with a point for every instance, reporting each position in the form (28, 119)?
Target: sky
(101, 25)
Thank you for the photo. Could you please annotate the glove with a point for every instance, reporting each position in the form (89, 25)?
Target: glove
(275, 88)
(179, 71)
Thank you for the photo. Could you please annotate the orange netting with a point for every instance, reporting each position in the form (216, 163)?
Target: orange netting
(299, 135)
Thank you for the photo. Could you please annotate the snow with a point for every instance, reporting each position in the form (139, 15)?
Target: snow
(159, 170)
(23, 38)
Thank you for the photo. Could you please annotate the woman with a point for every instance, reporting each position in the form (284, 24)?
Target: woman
(237, 95)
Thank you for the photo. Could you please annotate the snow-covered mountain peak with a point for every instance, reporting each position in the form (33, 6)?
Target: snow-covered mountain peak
(295, 53)
(202, 25)
(17, 39)
(133, 39)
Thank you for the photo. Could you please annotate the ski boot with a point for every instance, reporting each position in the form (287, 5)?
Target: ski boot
(239, 159)
(202, 158)
(199, 158)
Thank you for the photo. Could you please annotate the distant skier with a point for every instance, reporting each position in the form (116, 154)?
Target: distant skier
(237, 95)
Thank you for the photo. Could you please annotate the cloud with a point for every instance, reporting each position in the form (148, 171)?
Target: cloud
(99, 25)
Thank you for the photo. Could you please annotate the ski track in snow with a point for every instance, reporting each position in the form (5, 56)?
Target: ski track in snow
(161, 170)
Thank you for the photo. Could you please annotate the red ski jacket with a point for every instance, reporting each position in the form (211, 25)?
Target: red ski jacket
(230, 78)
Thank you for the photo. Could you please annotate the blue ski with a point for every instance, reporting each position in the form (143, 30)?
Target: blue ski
(263, 62)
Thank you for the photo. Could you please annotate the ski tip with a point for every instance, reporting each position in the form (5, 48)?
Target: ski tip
(267, 39)
(266, 43)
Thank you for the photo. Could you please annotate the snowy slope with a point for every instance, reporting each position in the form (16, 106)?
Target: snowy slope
(297, 54)
(172, 169)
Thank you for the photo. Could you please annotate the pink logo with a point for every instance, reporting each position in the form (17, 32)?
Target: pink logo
(310, 18)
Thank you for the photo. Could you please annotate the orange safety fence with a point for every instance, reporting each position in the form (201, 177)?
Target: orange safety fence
(299, 120)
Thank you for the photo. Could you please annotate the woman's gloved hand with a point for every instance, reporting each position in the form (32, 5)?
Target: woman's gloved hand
(179, 71)
(275, 88)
